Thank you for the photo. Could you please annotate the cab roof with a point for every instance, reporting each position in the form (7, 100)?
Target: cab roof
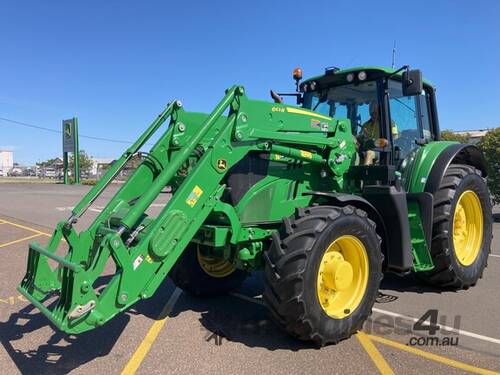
(335, 76)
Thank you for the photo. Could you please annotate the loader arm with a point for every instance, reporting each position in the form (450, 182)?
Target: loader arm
(192, 156)
(143, 262)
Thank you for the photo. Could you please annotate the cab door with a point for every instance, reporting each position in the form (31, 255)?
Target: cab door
(413, 127)
(410, 116)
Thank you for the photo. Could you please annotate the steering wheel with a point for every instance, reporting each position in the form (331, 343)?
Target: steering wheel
(406, 140)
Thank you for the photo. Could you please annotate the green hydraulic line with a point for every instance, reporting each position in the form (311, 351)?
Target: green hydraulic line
(118, 165)
(166, 175)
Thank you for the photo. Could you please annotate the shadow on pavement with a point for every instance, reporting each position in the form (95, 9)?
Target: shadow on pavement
(231, 319)
(228, 318)
(410, 284)
(62, 353)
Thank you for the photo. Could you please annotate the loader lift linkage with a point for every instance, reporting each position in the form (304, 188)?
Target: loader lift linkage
(301, 190)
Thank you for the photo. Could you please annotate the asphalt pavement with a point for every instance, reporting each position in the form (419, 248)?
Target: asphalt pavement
(173, 332)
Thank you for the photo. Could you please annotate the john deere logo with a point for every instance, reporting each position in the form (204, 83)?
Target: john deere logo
(221, 164)
(67, 130)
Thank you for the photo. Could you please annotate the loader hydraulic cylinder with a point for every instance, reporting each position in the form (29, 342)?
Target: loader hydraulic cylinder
(166, 175)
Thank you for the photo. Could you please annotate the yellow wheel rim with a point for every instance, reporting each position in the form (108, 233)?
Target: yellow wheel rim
(467, 227)
(215, 267)
(342, 276)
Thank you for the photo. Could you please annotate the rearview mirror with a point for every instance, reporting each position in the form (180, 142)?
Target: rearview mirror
(412, 82)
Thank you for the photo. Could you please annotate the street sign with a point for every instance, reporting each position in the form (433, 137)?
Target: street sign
(69, 135)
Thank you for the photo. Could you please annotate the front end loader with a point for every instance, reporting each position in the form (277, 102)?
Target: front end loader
(324, 196)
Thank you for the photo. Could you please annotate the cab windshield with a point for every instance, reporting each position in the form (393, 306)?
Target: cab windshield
(348, 101)
(358, 102)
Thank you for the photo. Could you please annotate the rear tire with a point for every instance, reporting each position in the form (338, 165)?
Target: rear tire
(462, 209)
(203, 276)
(294, 282)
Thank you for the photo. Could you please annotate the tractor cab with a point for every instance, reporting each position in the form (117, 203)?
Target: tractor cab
(391, 112)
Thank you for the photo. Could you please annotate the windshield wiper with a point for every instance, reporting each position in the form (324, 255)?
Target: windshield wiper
(405, 105)
(322, 99)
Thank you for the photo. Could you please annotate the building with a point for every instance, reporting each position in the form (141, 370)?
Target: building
(6, 162)
(99, 165)
(474, 135)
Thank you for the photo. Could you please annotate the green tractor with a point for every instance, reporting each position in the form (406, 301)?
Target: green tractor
(323, 196)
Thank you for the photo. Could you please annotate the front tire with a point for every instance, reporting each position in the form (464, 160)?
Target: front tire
(322, 273)
(462, 229)
(201, 276)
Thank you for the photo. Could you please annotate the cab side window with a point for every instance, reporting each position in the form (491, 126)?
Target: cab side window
(423, 107)
(404, 119)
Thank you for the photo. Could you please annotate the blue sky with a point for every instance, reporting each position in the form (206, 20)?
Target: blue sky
(116, 64)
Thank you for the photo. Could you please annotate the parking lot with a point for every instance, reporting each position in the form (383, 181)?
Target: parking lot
(175, 333)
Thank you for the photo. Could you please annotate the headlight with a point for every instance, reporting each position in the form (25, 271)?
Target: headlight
(362, 75)
(312, 85)
(349, 77)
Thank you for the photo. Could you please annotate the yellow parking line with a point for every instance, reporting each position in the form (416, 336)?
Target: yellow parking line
(25, 227)
(431, 356)
(143, 349)
(374, 354)
(20, 240)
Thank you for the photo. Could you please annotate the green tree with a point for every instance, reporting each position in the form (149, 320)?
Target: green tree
(448, 135)
(490, 145)
(47, 163)
(85, 162)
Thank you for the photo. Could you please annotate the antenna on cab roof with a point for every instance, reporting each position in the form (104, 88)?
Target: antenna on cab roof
(393, 64)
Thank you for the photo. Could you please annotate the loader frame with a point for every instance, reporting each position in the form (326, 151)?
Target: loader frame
(145, 249)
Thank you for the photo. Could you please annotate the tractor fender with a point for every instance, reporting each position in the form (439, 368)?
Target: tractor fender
(456, 153)
(342, 200)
